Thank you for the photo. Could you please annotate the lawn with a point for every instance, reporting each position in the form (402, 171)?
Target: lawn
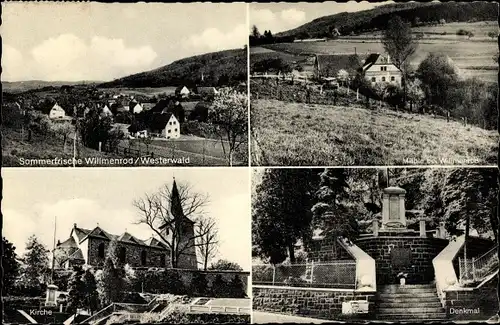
(298, 134)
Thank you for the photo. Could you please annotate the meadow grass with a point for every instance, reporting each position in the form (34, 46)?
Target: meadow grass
(325, 135)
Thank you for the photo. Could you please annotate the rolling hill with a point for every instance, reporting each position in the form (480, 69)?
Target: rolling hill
(377, 18)
(219, 68)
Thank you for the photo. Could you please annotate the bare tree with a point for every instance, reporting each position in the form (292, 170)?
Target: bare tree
(159, 212)
(208, 240)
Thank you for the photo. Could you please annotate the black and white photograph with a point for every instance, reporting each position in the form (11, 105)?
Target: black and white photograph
(115, 245)
(374, 244)
(124, 84)
(373, 83)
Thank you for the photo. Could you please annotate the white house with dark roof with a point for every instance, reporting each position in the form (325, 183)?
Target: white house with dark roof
(172, 129)
(56, 112)
(379, 68)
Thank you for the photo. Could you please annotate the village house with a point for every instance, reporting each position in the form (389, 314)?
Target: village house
(182, 91)
(135, 108)
(57, 112)
(172, 129)
(106, 111)
(379, 68)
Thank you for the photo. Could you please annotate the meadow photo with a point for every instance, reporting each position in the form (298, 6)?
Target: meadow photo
(358, 83)
(124, 84)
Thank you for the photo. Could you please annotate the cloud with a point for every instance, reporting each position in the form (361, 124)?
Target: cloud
(265, 19)
(13, 59)
(70, 58)
(213, 39)
(293, 15)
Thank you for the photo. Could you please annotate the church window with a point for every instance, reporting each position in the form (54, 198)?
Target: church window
(122, 254)
(143, 258)
(100, 250)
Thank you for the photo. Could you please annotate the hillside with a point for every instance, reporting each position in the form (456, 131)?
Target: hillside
(219, 69)
(323, 135)
(377, 18)
(23, 86)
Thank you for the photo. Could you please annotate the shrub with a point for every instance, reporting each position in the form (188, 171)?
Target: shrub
(219, 287)
(199, 285)
(174, 282)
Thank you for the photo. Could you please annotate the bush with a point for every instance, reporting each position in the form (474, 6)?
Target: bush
(219, 287)
(174, 283)
(199, 285)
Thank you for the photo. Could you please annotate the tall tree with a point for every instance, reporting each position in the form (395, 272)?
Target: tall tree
(399, 43)
(165, 213)
(76, 290)
(228, 117)
(255, 32)
(110, 283)
(282, 211)
(35, 265)
(91, 300)
(332, 212)
(10, 267)
(438, 76)
(206, 230)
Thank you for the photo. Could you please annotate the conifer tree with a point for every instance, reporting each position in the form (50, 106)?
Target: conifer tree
(76, 290)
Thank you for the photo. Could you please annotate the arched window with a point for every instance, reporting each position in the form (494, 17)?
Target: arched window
(100, 250)
(143, 258)
(122, 254)
(162, 260)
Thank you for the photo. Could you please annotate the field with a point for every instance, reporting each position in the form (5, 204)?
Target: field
(146, 91)
(200, 151)
(322, 135)
(474, 57)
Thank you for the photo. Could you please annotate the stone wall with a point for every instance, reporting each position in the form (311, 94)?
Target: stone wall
(132, 254)
(324, 251)
(423, 250)
(318, 303)
(473, 304)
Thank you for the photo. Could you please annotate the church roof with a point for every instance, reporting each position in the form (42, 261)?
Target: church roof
(83, 234)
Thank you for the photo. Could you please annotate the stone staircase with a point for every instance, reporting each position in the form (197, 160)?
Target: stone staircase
(414, 302)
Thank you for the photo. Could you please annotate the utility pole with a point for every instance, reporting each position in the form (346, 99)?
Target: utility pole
(74, 143)
(53, 251)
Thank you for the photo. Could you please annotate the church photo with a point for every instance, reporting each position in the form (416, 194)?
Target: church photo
(105, 246)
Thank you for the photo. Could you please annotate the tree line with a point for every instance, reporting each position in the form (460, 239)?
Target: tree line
(289, 205)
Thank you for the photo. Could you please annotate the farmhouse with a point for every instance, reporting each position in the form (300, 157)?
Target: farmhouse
(327, 66)
(378, 68)
(172, 129)
(57, 112)
(90, 246)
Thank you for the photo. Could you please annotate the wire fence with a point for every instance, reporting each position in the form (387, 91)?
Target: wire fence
(477, 269)
(338, 274)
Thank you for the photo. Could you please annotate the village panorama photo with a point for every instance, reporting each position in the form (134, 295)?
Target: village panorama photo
(116, 245)
(373, 84)
(139, 84)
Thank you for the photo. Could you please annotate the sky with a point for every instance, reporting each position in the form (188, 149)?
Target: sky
(76, 41)
(34, 197)
(282, 16)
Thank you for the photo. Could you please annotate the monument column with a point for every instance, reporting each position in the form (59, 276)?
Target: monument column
(393, 208)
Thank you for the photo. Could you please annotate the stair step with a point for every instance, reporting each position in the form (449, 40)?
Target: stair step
(406, 304)
(384, 296)
(411, 310)
(427, 285)
(409, 316)
(405, 289)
